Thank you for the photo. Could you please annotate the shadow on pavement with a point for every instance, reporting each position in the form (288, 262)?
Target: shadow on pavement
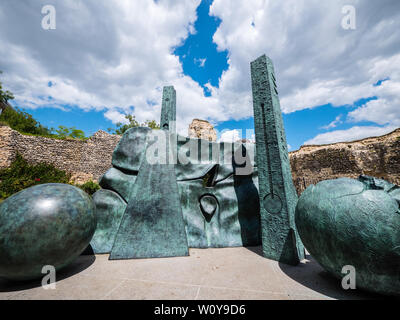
(257, 250)
(80, 264)
(311, 275)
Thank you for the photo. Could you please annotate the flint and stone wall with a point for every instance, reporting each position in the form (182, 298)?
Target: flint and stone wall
(88, 160)
(378, 157)
(84, 160)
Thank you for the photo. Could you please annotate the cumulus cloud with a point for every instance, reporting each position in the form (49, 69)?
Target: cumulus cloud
(334, 123)
(385, 110)
(316, 61)
(230, 136)
(116, 56)
(104, 55)
(116, 116)
(379, 111)
(354, 133)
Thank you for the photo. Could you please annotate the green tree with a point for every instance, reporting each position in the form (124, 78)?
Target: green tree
(23, 122)
(65, 132)
(133, 123)
(5, 95)
(18, 119)
(77, 134)
(62, 132)
(152, 124)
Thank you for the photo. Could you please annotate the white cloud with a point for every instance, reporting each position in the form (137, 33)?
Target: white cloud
(230, 136)
(380, 111)
(116, 56)
(354, 133)
(200, 62)
(385, 110)
(111, 56)
(115, 116)
(316, 61)
(334, 123)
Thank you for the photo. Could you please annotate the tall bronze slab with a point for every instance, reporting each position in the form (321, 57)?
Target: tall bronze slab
(153, 225)
(278, 196)
(168, 110)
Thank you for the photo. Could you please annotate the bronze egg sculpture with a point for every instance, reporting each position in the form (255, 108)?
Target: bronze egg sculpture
(48, 224)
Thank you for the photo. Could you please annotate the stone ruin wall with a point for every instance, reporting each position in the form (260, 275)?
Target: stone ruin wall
(88, 160)
(377, 156)
(84, 159)
(202, 129)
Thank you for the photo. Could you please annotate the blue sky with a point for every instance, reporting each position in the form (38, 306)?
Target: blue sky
(88, 121)
(333, 85)
(200, 46)
(196, 47)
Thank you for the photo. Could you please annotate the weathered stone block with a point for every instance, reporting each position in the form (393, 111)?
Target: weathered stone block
(202, 129)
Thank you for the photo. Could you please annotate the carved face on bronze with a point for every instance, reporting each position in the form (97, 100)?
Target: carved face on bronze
(219, 197)
(217, 182)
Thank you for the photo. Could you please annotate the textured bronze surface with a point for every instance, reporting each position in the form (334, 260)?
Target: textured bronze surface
(48, 224)
(278, 196)
(348, 222)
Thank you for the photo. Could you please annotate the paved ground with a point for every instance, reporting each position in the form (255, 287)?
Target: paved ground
(232, 273)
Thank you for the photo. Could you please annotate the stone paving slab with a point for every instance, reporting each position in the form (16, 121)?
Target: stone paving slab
(207, 274)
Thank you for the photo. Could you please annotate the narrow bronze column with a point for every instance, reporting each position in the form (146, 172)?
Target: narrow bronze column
(278, 196)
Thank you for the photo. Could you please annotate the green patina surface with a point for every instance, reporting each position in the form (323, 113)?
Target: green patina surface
(168, 109)
(278, 196)
(354, 222)
(128, 155)
(110, 208)
(153, 225)
(48, 224)
(119, 182)
(218, 198)
(220, 206)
